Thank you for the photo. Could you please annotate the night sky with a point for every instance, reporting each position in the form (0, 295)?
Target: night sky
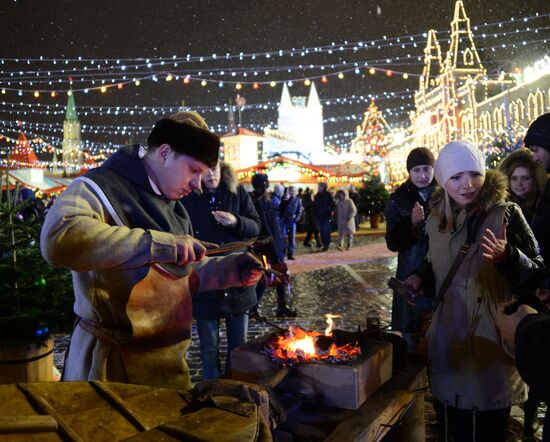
(162, 28)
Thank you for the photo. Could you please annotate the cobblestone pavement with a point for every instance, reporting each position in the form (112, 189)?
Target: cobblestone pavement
(355, 291)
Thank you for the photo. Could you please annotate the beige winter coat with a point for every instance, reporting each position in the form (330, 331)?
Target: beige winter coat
(469, 365)
(346, 212)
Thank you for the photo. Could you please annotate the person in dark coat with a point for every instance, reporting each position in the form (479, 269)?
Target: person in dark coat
(312, 231)
(271, 226)
(406, 214)
(526, 181)
(323, 210)
(537, 139)
(223, 212)
(291, 212)
(528, 332)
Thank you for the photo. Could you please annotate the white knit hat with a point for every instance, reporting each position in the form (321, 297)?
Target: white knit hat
(456, 157)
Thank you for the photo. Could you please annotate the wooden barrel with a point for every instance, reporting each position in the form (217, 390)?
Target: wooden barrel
(31, 364)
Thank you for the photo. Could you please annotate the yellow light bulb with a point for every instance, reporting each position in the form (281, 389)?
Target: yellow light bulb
(36, 94)
(203, 83)
(169, 77)
(137, 82)
(273, 84)
(238, 86)
(103, 89)
(307, 82)
(340, 75)
(372, 71)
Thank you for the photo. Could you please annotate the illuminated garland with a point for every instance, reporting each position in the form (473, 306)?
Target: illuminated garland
(187, 76)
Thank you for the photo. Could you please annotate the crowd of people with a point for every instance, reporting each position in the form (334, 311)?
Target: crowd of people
(141, 232)
(468, 239)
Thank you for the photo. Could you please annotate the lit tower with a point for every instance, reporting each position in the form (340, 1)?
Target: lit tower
(72, 144)
(299, 126)
(443, 101)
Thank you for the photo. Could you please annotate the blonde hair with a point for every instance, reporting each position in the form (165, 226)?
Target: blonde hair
(440, 207)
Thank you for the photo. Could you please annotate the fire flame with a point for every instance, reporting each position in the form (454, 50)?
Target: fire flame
(299, 345)
(330, 323)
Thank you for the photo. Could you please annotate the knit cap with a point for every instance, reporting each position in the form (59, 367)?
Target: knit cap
(457, 157)
(538, 133)
(418, 157)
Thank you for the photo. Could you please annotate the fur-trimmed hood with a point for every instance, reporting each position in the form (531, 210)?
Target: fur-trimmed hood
(228, 177)
(494, 191)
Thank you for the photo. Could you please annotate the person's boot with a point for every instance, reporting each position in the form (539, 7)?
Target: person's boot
(284, 312)
(530, 418)
(254, 313)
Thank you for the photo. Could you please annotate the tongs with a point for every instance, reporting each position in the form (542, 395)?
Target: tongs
(174, 271)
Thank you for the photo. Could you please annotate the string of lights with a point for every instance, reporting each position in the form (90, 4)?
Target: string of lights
(221, 73)
(328, 48)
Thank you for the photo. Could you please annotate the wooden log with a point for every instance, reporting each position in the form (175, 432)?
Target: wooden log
(27, 424)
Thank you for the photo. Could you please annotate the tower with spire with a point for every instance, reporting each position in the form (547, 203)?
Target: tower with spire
(72, 157)
(447, 87)
(299, 126)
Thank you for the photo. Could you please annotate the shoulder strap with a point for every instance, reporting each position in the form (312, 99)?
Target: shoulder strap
(472, 229)
(101, 195)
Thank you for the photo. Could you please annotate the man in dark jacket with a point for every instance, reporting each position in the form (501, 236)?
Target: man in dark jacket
(406, 214)
(291, 212)
(537, 139)
(223, 212)
(323, 209)
(269, 216)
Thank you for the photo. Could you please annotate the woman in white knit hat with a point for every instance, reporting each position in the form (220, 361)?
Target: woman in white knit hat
(472, 376)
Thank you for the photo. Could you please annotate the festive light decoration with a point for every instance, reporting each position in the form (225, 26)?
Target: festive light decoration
(293, 171)
(125, 71)
(456, 100)
(369, 145)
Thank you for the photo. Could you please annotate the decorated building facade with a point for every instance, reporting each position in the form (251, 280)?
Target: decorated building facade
(457, 100)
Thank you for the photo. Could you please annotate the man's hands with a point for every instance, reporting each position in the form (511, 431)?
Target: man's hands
(250, 269)
(507, 324)
(494, 247)
(417, 215)
(226, 219)
(190, 249)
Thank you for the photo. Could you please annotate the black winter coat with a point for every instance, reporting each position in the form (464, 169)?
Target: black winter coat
(533, 353)
(219, 304)
(323, 206)
(411, 243)
(541, 224)
(270, 226)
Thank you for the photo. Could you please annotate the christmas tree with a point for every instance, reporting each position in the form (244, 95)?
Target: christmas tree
(35, 298)
(370, 144)
(497, 147)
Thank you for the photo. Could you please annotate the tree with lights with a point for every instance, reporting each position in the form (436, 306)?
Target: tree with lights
(370, 144)
(36, 298)
(497, 147)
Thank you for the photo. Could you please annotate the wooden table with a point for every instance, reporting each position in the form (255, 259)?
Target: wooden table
(394, 413)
